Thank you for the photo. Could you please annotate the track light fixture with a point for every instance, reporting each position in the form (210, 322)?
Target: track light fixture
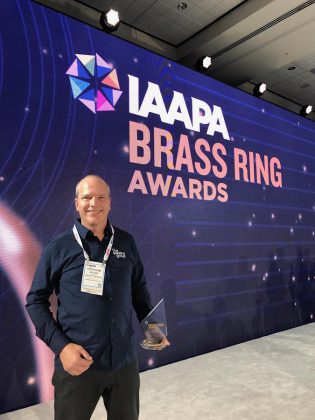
(306, 110)
(110, 20)
(260, 89)
(203, 63)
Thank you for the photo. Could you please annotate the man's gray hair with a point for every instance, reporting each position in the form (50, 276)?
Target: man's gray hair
(88, 176)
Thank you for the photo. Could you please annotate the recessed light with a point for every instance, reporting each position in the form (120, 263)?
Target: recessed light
(260, 89)
(305, 110)
(182, 6)
(110, 20)
(203, 63)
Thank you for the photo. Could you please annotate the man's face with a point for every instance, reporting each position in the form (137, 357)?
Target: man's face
(93, 202)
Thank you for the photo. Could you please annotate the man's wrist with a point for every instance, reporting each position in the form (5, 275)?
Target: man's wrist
(58, 342)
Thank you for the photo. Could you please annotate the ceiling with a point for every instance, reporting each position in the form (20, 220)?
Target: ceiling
(162, 18)
(249, 41)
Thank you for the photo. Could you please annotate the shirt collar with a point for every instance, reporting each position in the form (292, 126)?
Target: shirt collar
(84, 232)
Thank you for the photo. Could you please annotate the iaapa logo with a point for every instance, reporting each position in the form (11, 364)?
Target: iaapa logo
(94, 82)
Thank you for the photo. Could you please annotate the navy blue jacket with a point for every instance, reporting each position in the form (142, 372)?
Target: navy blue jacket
(101, 324)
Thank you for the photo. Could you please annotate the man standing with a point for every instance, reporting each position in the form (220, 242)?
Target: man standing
(97, 275)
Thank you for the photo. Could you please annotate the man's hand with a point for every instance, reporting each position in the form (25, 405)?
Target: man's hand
(75, 359)
(164, 343)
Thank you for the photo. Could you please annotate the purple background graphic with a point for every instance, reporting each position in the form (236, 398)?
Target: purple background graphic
(228, 272)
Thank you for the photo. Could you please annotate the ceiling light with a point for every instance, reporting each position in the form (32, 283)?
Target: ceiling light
(203, 63)
(110, 20)
(260, 89)
(306, 110)
(182, 6)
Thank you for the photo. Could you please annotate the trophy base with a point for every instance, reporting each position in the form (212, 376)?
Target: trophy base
(148, 345)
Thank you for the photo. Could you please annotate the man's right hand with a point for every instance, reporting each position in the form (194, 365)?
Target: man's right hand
(75, 359)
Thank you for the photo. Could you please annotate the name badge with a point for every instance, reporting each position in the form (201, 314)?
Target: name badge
(93, 278)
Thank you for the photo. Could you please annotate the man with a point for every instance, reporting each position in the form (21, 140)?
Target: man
(97, 274)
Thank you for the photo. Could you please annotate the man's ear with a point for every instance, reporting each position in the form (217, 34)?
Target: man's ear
(76, 204)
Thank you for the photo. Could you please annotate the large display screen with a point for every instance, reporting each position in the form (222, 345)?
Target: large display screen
(216, 186)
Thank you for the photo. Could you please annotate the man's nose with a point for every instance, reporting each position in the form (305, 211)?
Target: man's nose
(92, 201)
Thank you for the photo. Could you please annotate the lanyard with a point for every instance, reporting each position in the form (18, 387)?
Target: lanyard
(108, 249)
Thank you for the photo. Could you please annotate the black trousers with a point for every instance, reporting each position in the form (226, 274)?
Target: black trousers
(76, 396)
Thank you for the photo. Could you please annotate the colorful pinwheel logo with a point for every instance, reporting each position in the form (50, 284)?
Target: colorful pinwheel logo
(94, 82)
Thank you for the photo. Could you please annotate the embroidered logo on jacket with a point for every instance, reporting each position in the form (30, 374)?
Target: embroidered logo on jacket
(119, 254)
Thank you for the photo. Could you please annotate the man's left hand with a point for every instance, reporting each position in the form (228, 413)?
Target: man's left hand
(164, 343)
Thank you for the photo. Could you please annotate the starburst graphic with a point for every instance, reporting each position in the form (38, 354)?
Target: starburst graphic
(94, 82)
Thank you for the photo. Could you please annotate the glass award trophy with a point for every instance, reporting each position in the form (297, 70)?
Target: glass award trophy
(154, 328)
